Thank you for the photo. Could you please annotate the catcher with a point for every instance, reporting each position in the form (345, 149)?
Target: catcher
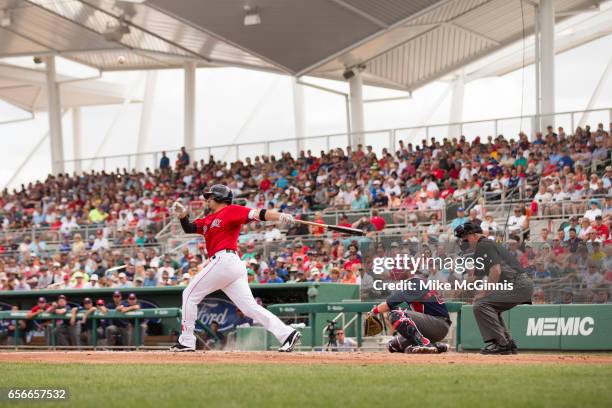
(418, 329)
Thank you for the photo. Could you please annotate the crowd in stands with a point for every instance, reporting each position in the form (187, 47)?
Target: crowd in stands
(556, 172)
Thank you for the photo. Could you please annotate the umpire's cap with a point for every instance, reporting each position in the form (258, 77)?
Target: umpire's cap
(220, 193)
(468, 228)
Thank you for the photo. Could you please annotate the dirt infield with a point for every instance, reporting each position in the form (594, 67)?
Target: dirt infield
(306, 358)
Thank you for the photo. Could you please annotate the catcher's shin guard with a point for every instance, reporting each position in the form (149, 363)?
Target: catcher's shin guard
(397, 344)
(408, 328)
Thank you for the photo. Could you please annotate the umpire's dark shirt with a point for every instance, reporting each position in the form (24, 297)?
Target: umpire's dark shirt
(491, 253)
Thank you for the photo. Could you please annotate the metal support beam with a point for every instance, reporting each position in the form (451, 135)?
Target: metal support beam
(76, 139)
(536, 62)
(596, 94)
(347, 102)
(472, 32)
(27, 159)
(356, 98)
(190, 106)
(456, 106)
(547, 50)
(361, 13)
(298, 114)
(145, 119)
(55, 118)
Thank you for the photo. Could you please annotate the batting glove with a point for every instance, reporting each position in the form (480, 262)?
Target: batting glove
(286, 218)
(179, 209)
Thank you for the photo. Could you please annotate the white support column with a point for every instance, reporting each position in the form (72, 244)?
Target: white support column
(456, 107)
(298, 115)
(55, 118)
(536, 65)
(76, 139)
(190, 106)
(356, 96)
(145, 120)
(547, 50)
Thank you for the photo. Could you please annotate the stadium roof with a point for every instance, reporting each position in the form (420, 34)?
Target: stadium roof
(26, 88)
(401, 44)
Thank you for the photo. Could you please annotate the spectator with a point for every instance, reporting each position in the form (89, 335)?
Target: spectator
(97, 215)
(573, 242)
(164, 162)
(184, 158)
(567, 297)
(344, 343)
(378, 221)
(594, 211)
(360, 202)
(460, 219)
(214, 339)
(601, 230)
(517, 223)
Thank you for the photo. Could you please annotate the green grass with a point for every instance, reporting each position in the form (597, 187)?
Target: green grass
(288, 386)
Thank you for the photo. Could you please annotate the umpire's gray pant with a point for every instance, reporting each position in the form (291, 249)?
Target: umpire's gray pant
(488, 310)
(435, 328)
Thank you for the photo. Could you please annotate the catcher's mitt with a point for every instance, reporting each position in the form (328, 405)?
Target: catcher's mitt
(373, 325)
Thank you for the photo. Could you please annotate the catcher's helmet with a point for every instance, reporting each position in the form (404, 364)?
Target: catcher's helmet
(468, 228)
(220, 193)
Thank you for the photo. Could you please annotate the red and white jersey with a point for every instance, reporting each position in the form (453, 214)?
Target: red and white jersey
(221, 229)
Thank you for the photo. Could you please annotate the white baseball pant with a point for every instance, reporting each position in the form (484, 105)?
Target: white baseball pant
(226, 272)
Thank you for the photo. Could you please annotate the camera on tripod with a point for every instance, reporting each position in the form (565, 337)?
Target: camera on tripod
(330, 329)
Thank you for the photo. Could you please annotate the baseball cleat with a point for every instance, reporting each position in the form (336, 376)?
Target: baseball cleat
(513, 347)
(496, 349)
(441, 347)
(179, 348)
(291, 341)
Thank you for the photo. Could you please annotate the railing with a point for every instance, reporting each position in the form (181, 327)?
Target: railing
(52, 235)
(136, 315)
(379, 139)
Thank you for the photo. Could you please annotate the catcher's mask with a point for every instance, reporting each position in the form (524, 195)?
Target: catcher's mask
(462, 231)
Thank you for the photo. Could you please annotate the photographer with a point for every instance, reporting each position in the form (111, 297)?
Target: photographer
(344, 344)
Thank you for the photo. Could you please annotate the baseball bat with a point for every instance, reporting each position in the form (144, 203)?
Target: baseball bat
(337, 228)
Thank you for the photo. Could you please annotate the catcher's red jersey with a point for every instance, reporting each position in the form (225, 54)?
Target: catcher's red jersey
(221, 229)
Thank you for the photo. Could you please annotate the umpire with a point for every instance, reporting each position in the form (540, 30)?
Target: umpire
(499, 266)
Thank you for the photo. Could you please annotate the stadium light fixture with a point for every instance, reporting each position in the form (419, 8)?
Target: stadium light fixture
(348, 74)
(115, 32)
(251, 16)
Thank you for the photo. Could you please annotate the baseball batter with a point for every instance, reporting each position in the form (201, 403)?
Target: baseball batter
(224, 269)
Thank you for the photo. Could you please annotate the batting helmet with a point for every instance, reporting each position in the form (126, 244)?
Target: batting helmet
(220, 193)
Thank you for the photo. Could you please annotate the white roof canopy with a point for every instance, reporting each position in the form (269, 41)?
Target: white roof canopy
(399, 43)
(26, 88)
